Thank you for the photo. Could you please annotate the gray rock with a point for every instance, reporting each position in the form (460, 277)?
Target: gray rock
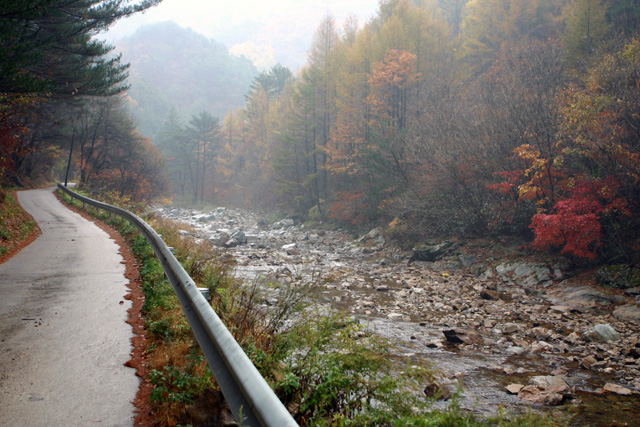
(632, 292)
(449, 263)
(437, 390)
(503, 269)
(617, 389)
(430, 253)
(541, 397)
(527, 274)
(514, 388)
(627, 312)
(540, 271)
(463, 336)
(602, 333)
(239, 237)
(467, 260)
(547, 381)
(374, 235)
(582, 296)
(509, 328)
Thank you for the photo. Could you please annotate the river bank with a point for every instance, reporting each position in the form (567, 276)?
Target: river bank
(510, 331)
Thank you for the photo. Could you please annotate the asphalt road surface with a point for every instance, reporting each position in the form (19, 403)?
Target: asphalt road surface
(63, 336)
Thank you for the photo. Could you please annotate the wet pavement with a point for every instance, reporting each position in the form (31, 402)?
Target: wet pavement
(63, 336)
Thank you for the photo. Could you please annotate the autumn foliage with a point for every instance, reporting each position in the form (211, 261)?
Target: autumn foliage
(483, 118)
(61, 108)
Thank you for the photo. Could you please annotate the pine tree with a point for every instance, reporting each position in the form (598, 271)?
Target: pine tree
(47, 46)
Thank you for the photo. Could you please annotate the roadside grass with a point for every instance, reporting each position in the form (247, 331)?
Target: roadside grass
(15, 224)
(325, 368)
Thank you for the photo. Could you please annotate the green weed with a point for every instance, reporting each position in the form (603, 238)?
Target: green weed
(326, 369)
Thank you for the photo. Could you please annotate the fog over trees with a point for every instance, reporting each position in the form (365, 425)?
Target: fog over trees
(61, 89)
(443, 117)
(174, 67)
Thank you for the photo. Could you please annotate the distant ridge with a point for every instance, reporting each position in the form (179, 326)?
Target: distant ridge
(175, 67)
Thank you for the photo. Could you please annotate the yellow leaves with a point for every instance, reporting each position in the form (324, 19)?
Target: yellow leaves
(528, 191)
(527, 152)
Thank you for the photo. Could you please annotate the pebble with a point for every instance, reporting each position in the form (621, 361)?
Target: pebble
(514, 304)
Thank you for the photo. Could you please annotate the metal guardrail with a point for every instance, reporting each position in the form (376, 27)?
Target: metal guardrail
(250, 398)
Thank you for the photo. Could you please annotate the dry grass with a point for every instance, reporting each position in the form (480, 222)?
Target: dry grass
(15, 224)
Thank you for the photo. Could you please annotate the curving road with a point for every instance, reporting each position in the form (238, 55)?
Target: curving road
(63, 336)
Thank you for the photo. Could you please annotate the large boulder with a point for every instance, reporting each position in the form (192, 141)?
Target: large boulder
(545, 390)
(430, 253)
(581, 297)
(620, 276)
(374, 237)
(463, 336)
(239, 237)
(617, 389)
(602, 333)
(525, 273)
(627, 312)
(220, 240)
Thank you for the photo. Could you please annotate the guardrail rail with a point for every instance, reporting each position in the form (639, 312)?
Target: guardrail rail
(249, 396)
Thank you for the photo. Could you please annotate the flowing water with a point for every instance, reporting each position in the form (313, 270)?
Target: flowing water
(370, 290)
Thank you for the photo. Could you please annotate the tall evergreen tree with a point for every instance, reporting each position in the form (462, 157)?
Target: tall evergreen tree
(47, 46)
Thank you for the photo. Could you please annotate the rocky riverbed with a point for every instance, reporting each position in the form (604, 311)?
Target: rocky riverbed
(510, 331)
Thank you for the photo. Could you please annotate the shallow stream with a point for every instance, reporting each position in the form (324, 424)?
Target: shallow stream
(411, 307)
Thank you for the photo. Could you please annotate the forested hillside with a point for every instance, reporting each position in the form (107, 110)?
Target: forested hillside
(495, 118)
(174, 67)
(483, 117)
(61, 103)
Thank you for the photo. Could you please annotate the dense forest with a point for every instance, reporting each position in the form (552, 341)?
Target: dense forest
(62, 101)
(438, 117)
(485, 117)
(174, 67)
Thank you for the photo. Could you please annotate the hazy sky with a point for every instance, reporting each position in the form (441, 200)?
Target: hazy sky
(266, 30)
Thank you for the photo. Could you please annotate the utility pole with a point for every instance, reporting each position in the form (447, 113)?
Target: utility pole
(66, 176)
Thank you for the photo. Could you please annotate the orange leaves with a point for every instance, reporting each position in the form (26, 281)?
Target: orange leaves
(396, 69)
(544, 176)
(390, 80)
(349, 207)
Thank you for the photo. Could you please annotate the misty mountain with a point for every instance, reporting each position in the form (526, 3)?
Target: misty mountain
(175, 67)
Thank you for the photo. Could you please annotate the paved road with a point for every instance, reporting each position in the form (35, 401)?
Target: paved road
(63, 336)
